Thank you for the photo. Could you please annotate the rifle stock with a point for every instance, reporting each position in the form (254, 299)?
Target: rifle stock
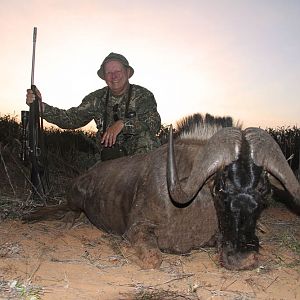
(24, 138)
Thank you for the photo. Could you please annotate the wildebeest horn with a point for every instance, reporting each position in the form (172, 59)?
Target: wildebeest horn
(220, 150)
(267, 153)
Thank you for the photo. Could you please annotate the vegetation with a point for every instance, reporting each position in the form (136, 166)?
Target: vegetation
(69, 153)
(15, 289)
(288, 139)
(10, 129)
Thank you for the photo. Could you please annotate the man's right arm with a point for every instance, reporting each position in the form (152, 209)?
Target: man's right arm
(72, 118)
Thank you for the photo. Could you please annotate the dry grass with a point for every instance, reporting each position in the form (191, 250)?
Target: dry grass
(18, 289)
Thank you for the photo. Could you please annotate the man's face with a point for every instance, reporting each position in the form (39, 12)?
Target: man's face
(116, 77)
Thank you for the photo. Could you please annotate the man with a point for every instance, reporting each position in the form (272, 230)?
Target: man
(125, 114)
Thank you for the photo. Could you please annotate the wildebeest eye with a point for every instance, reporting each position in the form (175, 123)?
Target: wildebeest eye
(222, 192)
(217, 190)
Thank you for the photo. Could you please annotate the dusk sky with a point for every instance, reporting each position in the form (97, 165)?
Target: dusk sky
(225, 57)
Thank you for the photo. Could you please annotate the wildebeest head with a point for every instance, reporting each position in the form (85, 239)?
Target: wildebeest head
(240, 190)
(239, 161)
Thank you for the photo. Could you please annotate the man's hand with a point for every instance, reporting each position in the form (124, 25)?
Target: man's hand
(110, 135)
(31, 97)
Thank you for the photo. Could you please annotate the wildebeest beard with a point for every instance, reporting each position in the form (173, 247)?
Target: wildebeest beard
(240, 195)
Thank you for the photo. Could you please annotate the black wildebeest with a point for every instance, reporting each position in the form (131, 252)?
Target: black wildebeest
(195, 190)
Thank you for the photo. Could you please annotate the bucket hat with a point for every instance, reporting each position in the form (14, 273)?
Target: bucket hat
(118, 57)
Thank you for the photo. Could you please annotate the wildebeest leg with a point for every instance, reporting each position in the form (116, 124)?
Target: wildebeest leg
(144, 242)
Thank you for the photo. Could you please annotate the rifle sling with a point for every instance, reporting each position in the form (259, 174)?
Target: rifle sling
(106, 104)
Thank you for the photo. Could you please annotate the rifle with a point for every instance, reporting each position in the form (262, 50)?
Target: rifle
(33, 145)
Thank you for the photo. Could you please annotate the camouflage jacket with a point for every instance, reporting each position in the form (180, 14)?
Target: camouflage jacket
(142, 121)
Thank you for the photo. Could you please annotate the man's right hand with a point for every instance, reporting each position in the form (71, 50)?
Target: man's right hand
(31, 96)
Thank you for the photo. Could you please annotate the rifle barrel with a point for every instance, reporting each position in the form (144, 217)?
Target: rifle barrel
(33, 55)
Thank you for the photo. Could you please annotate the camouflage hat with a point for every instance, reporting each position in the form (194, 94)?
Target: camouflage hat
(117, 57)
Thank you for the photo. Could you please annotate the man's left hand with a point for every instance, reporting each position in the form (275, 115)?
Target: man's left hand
(110, 135)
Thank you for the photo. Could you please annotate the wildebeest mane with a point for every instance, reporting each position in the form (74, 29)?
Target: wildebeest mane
(201, 127)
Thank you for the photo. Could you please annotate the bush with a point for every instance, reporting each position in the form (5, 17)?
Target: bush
(288, 139)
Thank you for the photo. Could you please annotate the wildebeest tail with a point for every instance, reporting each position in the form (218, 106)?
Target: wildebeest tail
(49, 213)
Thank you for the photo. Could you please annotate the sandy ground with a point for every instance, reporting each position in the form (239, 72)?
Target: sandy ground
(47, 261)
